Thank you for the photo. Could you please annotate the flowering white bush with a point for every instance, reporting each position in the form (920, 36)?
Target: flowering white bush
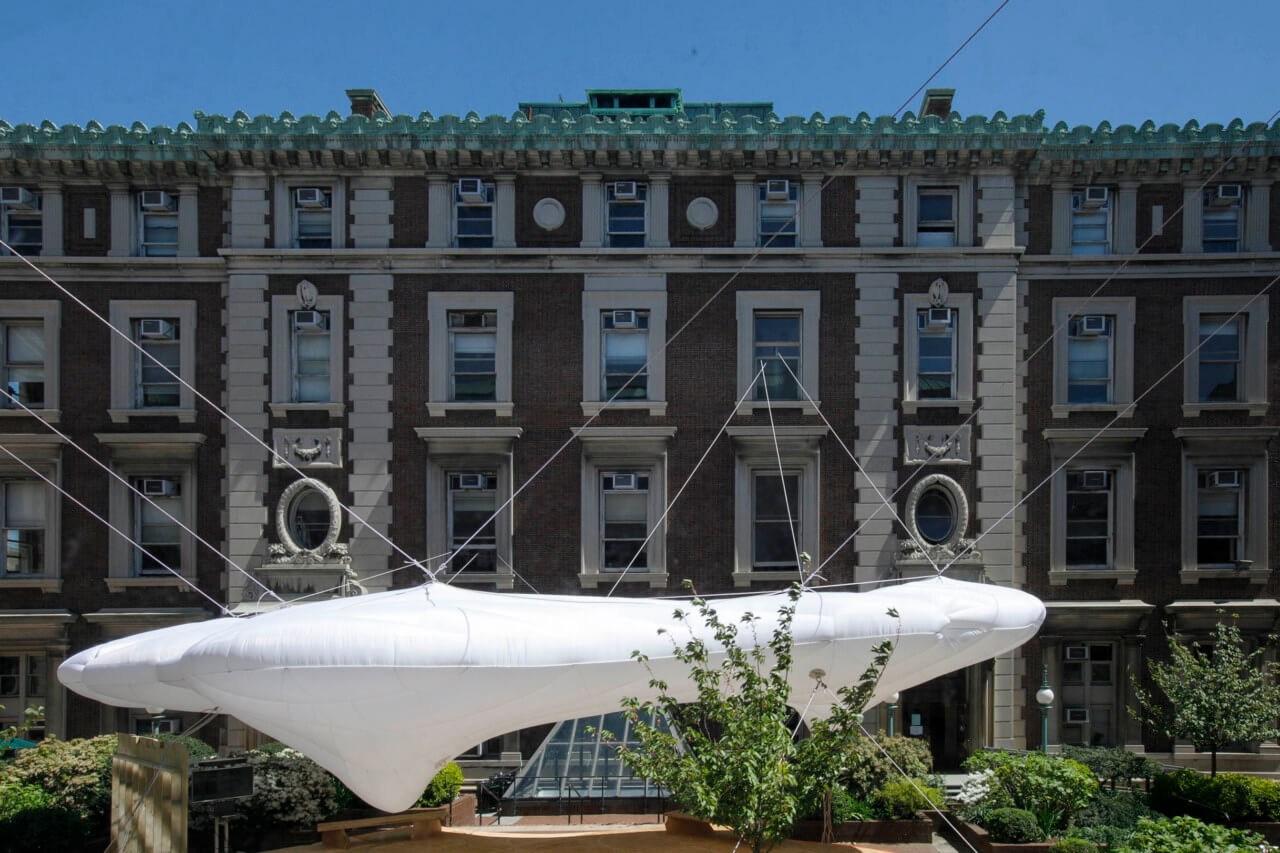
(290, 788)
(976, 788)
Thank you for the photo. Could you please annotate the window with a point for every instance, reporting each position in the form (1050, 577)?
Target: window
(1225, 502)
(310, 356)
(156, 532)
(1219, 516)
(1088, 694)
(1089, 518)
(1090, 221)
(624, 520)
(936, 217)
(312, 217)
(622, 332)
(24, 359)
(157, 224)
(623, 499)
(1090, 356)
(22, 683)
(626, 203)
(777, 352)
(307, 353)
(935, 516)
(1228, 371)
(472, 503)
(473, 214)
(22, 221)
(1222, 218)
(624, 353)
(937, 350)
(25, 504)
(469, 359)
(309, 519)
(166, 330)
(1093, 362)
(778, 329)
(775, 519)
(779, 212)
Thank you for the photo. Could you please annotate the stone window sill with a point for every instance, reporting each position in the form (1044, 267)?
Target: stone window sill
(745, 579)
(1063, 410)
(910, 407)
(656, 408)
(334, 410)
(1256, 575)
(42, 584)
(52, 416)
(592, 580)
(750, 407)
(1123, 577)
(1254, 409)
(123, 416)
(440, 408)
(126, 584)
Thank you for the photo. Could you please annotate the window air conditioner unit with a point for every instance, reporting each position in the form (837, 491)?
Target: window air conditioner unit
(158, 488)
(1077, 652)
(1229, 479)
(310, 320)
(155, 329)
(1095, 480)
(1093, 324)
(1077, 715)
(624, 319)
(1228, 193)
(624, 190)
(19, 197)
(624, 481)
(156, 200)
(939, 316)
(471, 191)
(777, 190)
(1095, 196)
(471, 481)
(309, 197)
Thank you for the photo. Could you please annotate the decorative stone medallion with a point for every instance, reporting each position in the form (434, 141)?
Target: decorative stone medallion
(307, 294)
(702, 213)
(937, 445)
(289, 550)
(938, 293)
(918, 547)
(548, 214)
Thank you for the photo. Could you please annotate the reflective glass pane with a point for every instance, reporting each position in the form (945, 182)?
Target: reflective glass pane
(935, 207)
(935, 516)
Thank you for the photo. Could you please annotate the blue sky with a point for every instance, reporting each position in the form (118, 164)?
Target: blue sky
(1119, 60)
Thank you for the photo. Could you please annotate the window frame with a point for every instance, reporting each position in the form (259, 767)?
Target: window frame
(439, 363)
(141, 216)
(962, 305)
(7, 212)
(491, 202)
(15, 704)
(5, 526)
(1230, 246)
(808, 304)
(295, 223)
(1123, 310)
(1113, 451)
(43, 452)
(284, 226)
(455, 539)
(1107, 226)
(125, 359)
(939, 226)
(609, 235)
(1253, 354)
(1087, 686)
(793, 233)
(963, 209)
(282, 308)
(49, 314)
(594, 304)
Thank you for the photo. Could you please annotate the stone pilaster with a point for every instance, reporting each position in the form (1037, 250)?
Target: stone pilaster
(592, 212)
(877, 209)
(1257, 211)
(659, 187)
(1124, 231)
(811, 211)
(744, 202)
(122, 218)
(875, 420)
(51, 220)
(439, 211)
(1192, 219)
(504, 212)
(249, 211)
(995, 210)
(1060, 225)
(371, 208)
(188, 221)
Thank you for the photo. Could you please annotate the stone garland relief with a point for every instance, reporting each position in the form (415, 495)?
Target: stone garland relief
(937, 445)
(289, 551)
(308, 448)
(918, 550)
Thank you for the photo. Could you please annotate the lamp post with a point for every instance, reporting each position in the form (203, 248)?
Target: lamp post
(1044, 696)
(893, 711)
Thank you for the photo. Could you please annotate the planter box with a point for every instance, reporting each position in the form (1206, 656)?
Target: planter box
(981, 840)
(918, 831)
(679, 823)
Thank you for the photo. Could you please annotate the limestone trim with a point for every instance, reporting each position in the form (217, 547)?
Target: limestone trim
(962, 304)
(1123, 310)
(1254, 311)
(963, 188)
(439, 304)
(594, 302)
(49, 313)
(282, 355)
(125, 359)
(807, 303)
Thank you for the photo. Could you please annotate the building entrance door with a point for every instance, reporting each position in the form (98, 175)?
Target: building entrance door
(938, 712)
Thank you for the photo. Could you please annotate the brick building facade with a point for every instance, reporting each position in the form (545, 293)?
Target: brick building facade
(418, 313)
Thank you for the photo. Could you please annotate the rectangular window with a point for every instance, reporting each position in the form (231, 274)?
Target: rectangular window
(159, 337)
(1090, 356)
(23, 343)
(159, 534)
(473, 214)
(775, 519)
(310, 356)
(312, 218)
(1088, 694)
(1221, 336)
(936, 218)
(625, 220)
(779, 212)
(157, 224)
(936, 358)
(22, 221)
(24, 505)
(473, 499)
(22, 684)
(1222, 219)
(1219, 517)
(777, 347)
(624, 350)
(1089, 518)
(1090, 221)
(624, 520)
(473, 348)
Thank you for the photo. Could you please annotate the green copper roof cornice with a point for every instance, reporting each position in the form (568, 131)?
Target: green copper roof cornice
(546, 131)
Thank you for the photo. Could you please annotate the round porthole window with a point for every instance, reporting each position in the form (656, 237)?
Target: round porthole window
(937, 511)
(308, 517)
(935, 516)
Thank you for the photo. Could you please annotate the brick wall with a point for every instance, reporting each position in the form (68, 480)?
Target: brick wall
(684, 190)
(1040, 220)
(73, 204)
(409, 213)
(212, 206)
(531, 190)
(838, 214)
(1170, 196)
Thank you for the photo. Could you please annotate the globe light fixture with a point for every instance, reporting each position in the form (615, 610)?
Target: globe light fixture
(1044, 696)
(893, 711)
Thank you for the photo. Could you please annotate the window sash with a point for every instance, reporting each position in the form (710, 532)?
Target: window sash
(1090, 364)
(626, 219)
(473, 222)
(313, 226)
(772, 543)
(623, 353)
(936, 222)
(1219, 524)
(158, 233)
(24, 231)
(777, 340)
(310, 356)
(471, 511)
(1220, 359)
(624, 525)
(778, 219)
(1089, 524)
(1091, 230)
(157, 533)
(935, 359)
(474, 367)
(24, 363)
(1220, 226)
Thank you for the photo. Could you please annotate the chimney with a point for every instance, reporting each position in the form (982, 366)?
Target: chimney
(365, 102)
(937, 102)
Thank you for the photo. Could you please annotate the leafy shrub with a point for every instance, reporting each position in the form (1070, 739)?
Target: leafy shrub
(1012, 826)
(290, 788)
(844, 807)
(443, 787)
(1112, 764)
(1225, 797)
(1053, 789)
(869, 769)
(1121, 809)
(1188, 835)
(75, 773)
(197, 749)
(1073, 845)
(1112, 837)
(899, 799)
(271, 747)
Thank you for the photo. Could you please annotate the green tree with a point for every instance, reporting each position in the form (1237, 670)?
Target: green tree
(741, 765)
(1213, 696)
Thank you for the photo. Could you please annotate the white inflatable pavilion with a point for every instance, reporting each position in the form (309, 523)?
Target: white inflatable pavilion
(384, 689)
